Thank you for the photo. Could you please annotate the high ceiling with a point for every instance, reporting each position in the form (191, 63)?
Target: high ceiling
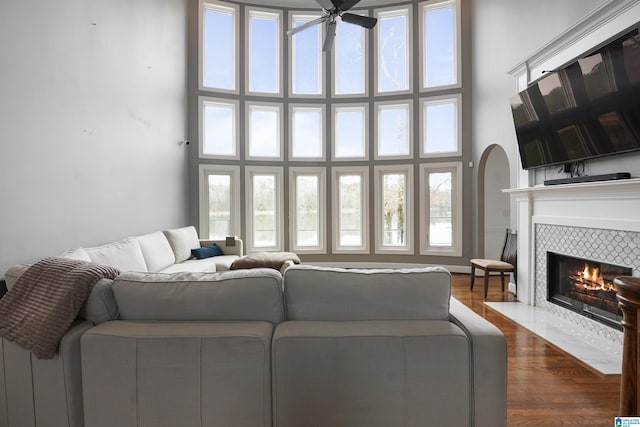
(311, 4)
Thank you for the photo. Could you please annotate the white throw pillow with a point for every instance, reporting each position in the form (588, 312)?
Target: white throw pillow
(124, 255)
(156, 251)
(182, 240)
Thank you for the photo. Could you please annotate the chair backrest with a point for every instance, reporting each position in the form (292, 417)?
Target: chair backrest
(510, 248)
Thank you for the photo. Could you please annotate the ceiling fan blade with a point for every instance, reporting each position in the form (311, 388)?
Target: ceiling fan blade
(347, 4)
(331, 35)
(294, 30)
(363, 21)
(326, 4)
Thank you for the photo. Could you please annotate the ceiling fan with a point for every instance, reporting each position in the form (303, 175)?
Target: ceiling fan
(331, 9)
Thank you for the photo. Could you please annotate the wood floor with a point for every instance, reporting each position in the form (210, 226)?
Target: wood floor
(546, 387)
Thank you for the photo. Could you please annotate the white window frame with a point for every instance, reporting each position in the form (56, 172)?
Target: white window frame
(336, 172)
(391, 12)
(266, 14)
(456, 244)
(435, 100)
(365, 64)
(378, 106)
(379, 173)
(365, 130)
(202, 102)
(433, 5)
(234, 172)
(321, 173)
(223, 7)
(250, 172)
(321, 64)
(323, 133)
(269, 106)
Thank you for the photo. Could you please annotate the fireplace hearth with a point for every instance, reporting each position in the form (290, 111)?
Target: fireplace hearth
(585, 286)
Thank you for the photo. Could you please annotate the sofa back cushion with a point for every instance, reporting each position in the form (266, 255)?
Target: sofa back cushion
(76, 253)
(156, 251)
(223, 296)
(322, 293)
(100, 305)
(182, 240)
(125, 255)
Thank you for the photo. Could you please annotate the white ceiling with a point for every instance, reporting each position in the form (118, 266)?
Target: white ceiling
(311, 4)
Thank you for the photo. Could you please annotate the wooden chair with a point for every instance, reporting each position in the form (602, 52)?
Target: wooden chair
(506, 264)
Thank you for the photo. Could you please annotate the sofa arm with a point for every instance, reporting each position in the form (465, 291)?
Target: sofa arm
(42, 391)
(489, 353)
(236, 249)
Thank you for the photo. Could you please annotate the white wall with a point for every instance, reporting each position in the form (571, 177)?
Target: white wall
(92, 110)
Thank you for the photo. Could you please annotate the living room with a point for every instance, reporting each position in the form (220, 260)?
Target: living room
(101, 120)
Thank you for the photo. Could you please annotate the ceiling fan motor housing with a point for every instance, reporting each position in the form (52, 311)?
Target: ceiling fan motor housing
(333, 9)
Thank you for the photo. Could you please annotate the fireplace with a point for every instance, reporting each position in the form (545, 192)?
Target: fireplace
(585, 286)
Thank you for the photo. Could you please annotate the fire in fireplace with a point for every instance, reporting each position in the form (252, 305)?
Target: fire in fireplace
(585, 286)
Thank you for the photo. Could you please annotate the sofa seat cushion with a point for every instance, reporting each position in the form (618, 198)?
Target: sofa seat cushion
(224, 262)
(156, 250)
(252, 295)
(207, 265)
(323, 293)
(182, 240)
(372, 374)
(166, 374)
(125, 255)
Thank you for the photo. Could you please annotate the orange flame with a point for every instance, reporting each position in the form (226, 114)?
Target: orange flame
(591, 279)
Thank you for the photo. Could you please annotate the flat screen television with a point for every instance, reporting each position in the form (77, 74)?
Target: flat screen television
(588, 109)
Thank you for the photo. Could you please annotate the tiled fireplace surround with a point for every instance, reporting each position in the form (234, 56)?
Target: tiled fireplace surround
(619, 247)
(598, 221)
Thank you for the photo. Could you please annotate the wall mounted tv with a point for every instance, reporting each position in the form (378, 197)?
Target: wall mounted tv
(588, 109)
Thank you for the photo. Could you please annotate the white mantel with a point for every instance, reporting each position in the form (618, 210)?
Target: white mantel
(610, 205)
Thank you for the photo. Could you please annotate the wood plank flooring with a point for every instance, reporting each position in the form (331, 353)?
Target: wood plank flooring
(546, 386)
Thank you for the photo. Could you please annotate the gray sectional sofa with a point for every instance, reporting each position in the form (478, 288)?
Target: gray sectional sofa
(318, 347)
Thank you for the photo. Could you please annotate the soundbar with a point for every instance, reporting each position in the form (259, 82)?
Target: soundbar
(589, 178)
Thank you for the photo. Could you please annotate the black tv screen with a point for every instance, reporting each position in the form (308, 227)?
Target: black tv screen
(588, 109)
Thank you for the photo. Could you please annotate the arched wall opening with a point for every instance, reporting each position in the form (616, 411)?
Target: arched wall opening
(493, 205)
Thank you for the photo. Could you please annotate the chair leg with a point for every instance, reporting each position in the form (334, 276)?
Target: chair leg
(473, 276)
(486, 283)
(502, 280)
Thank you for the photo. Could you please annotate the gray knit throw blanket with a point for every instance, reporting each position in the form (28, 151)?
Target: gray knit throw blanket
(40, 307)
